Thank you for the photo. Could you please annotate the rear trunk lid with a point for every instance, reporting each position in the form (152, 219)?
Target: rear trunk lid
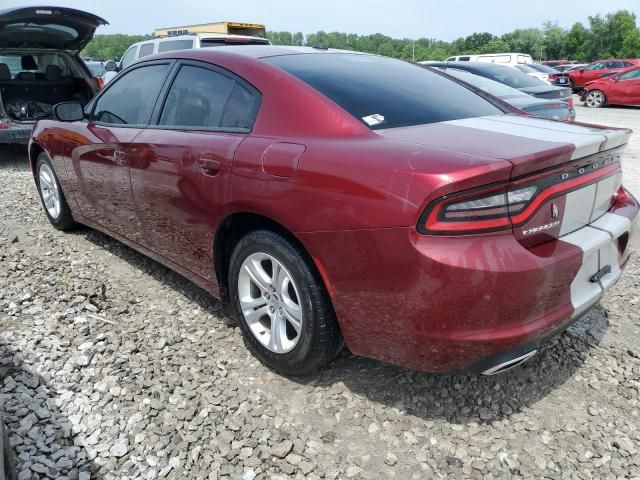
(47, 27)
(548, 92)
(575, 168)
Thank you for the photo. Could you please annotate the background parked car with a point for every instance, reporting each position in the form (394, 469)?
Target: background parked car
(618, 89)
(514, 78)
(555, 77)
(579, 77)
(558, 63)
(511, 58)
(569, 67)
(177, 42)
(553, 109)
(40, 65)
(534, 72)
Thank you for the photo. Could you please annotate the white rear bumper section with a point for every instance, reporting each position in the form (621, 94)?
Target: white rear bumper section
(598, 243)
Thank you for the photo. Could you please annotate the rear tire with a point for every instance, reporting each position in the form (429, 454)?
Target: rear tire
(595, 99)
(280, 301)
(51, 195)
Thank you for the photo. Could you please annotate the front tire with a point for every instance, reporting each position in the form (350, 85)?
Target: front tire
(283, 309)
(53, 200)
(595, 99)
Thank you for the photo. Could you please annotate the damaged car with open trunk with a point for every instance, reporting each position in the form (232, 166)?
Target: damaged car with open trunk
(40, 65)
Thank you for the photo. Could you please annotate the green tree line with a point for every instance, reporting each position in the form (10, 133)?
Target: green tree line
(613, 35)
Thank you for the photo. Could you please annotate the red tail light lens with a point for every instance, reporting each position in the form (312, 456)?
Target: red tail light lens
(478, 212)
(501, 207)
(553, 77)
(569, 100)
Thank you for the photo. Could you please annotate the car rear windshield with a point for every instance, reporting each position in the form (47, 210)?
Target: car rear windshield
(490, 86)
(510, 76)
(385, 93)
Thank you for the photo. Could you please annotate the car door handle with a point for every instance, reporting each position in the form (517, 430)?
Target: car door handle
(209, 166)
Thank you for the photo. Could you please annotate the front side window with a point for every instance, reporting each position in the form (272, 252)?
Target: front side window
(169, 45)
(200, 97)
(129, 57)
(146, 49)
(385, 93)
(631, 75)
(130, 99)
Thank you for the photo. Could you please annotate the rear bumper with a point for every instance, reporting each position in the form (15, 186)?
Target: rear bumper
(15, 133)
(446, 303)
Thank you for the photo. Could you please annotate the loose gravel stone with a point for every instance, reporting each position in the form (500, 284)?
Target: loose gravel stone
(112, 366)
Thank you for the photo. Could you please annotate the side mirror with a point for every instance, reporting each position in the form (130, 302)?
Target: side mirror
(111, 66)
(68, 111)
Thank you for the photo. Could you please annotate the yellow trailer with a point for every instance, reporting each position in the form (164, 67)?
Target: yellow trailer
(231, 28)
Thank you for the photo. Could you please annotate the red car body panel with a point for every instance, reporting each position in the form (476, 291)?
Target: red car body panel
(582, 76)
(618, 91)
(353, 198)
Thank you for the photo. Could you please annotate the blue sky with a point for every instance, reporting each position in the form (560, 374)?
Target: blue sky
(443, 20)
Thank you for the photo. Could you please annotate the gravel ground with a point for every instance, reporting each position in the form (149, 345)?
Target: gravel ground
(111, 366)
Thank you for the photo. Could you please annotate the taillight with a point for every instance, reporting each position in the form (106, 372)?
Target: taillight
(553, 77)
(501, 207)
(3, 126)
(478, 211)
(569, 100)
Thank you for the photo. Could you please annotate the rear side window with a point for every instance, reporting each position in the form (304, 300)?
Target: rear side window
(168, 45)
(385, 93)
(130, 99)
(464, 59)
(241, 108)
(202, 98)
(146, 49)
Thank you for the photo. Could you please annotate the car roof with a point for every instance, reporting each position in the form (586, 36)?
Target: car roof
(252, 51)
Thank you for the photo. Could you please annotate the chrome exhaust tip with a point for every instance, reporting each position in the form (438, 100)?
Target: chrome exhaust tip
(509, 364)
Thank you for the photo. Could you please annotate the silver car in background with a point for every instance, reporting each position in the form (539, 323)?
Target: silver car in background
(538, 107)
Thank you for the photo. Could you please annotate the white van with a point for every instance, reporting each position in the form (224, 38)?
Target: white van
(503, 58)
(179, 42)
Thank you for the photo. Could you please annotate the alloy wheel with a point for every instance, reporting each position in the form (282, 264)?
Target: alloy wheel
(49, 190)
(595, 99)
(270, 302)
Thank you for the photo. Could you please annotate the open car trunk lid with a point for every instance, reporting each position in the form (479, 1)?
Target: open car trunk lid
(47, 27)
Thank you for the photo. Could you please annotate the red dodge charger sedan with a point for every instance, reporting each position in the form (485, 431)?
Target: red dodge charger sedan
(334, 196)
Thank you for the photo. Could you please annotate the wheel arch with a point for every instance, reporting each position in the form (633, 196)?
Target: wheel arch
(35, 149)
(238, 224)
